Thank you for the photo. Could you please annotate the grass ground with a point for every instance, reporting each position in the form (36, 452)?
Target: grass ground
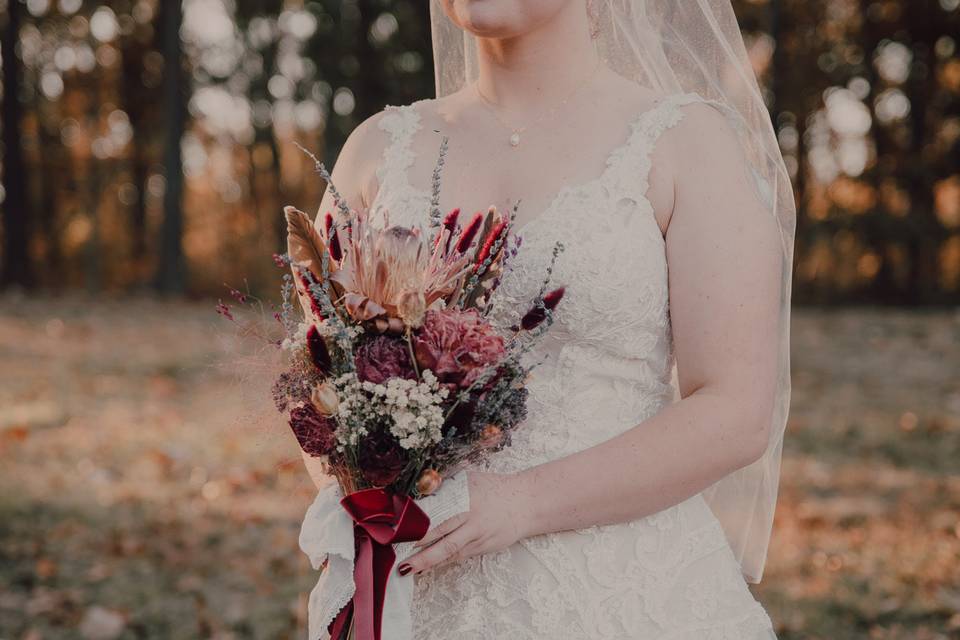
(147, 492)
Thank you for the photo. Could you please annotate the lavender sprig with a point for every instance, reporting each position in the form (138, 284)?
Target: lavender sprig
(322, 297)
(338, 200)
(473, 283)
(343, 338)
(435, 215)
(557, 250)
(286, 306)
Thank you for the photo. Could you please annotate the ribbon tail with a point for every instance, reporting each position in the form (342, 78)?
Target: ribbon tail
(365, 623)
(381, 521)
(384, 558)
(341, 623)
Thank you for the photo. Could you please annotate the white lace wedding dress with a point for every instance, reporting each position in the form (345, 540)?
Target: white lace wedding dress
(670, 575)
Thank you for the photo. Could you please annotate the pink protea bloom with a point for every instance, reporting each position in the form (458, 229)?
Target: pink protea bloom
(457, 345)
(385, 271)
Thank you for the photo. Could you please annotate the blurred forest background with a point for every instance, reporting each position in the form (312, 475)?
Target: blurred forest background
(146, 491)
(149, 145)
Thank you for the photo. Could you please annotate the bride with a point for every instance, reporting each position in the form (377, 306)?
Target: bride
(637, 499)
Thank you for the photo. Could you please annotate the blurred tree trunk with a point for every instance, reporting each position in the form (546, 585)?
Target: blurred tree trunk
(883, 287)
(16, 269)
(136, 100)
(919, 179)
(52, 172)
(171, 268)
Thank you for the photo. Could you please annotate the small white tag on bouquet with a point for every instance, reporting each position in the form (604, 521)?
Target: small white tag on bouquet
(327, 536)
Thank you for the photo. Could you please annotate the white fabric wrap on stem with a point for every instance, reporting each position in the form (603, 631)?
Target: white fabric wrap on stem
(327, 535)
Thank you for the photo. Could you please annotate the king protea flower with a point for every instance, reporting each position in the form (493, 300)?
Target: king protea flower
(390, 276)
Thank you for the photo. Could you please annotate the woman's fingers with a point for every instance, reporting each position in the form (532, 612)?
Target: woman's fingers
(441, 530)
(472, 548)
(444, 549)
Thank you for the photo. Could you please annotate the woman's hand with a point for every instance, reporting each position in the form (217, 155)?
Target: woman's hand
(498, 517)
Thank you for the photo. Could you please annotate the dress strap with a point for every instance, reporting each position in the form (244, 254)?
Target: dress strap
(630, 167)
(401, 123)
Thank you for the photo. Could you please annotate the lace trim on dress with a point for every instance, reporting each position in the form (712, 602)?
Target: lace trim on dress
(401, 123)
(404, 121)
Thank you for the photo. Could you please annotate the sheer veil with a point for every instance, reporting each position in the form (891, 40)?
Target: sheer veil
(693, 46)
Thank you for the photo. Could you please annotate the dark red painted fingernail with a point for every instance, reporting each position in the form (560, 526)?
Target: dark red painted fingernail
(404, 569)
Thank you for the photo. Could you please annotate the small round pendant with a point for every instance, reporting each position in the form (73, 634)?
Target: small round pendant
(515, 140)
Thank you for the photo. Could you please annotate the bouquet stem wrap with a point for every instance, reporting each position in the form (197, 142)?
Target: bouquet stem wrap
(330, 538)
(380, 520)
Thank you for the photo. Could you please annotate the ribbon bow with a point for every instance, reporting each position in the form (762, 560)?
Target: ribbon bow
(380, 519)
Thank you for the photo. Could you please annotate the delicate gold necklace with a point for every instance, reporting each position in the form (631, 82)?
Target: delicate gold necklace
(515, 132)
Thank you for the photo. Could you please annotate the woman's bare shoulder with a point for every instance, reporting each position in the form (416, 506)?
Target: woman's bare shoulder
(355, 169)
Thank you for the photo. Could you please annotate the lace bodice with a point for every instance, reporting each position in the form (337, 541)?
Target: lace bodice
(607, 361)
(607, 365)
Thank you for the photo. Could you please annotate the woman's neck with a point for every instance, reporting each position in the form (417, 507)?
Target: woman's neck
(540, 67)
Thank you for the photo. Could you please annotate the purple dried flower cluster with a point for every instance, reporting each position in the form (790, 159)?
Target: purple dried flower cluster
(289, 388)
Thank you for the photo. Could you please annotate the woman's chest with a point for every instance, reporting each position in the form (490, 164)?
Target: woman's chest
(602, 245)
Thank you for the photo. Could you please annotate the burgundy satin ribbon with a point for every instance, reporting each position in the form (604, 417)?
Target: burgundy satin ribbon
(380, 520)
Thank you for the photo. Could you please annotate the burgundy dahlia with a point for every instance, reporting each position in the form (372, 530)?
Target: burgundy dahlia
(380, 459)
(382, 358)
(457, 345)
(314, 431)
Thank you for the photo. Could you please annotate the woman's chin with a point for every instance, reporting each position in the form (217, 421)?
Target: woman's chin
(489, 18)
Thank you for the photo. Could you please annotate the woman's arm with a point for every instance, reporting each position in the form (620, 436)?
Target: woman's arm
(354, 173)
(725, 270)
